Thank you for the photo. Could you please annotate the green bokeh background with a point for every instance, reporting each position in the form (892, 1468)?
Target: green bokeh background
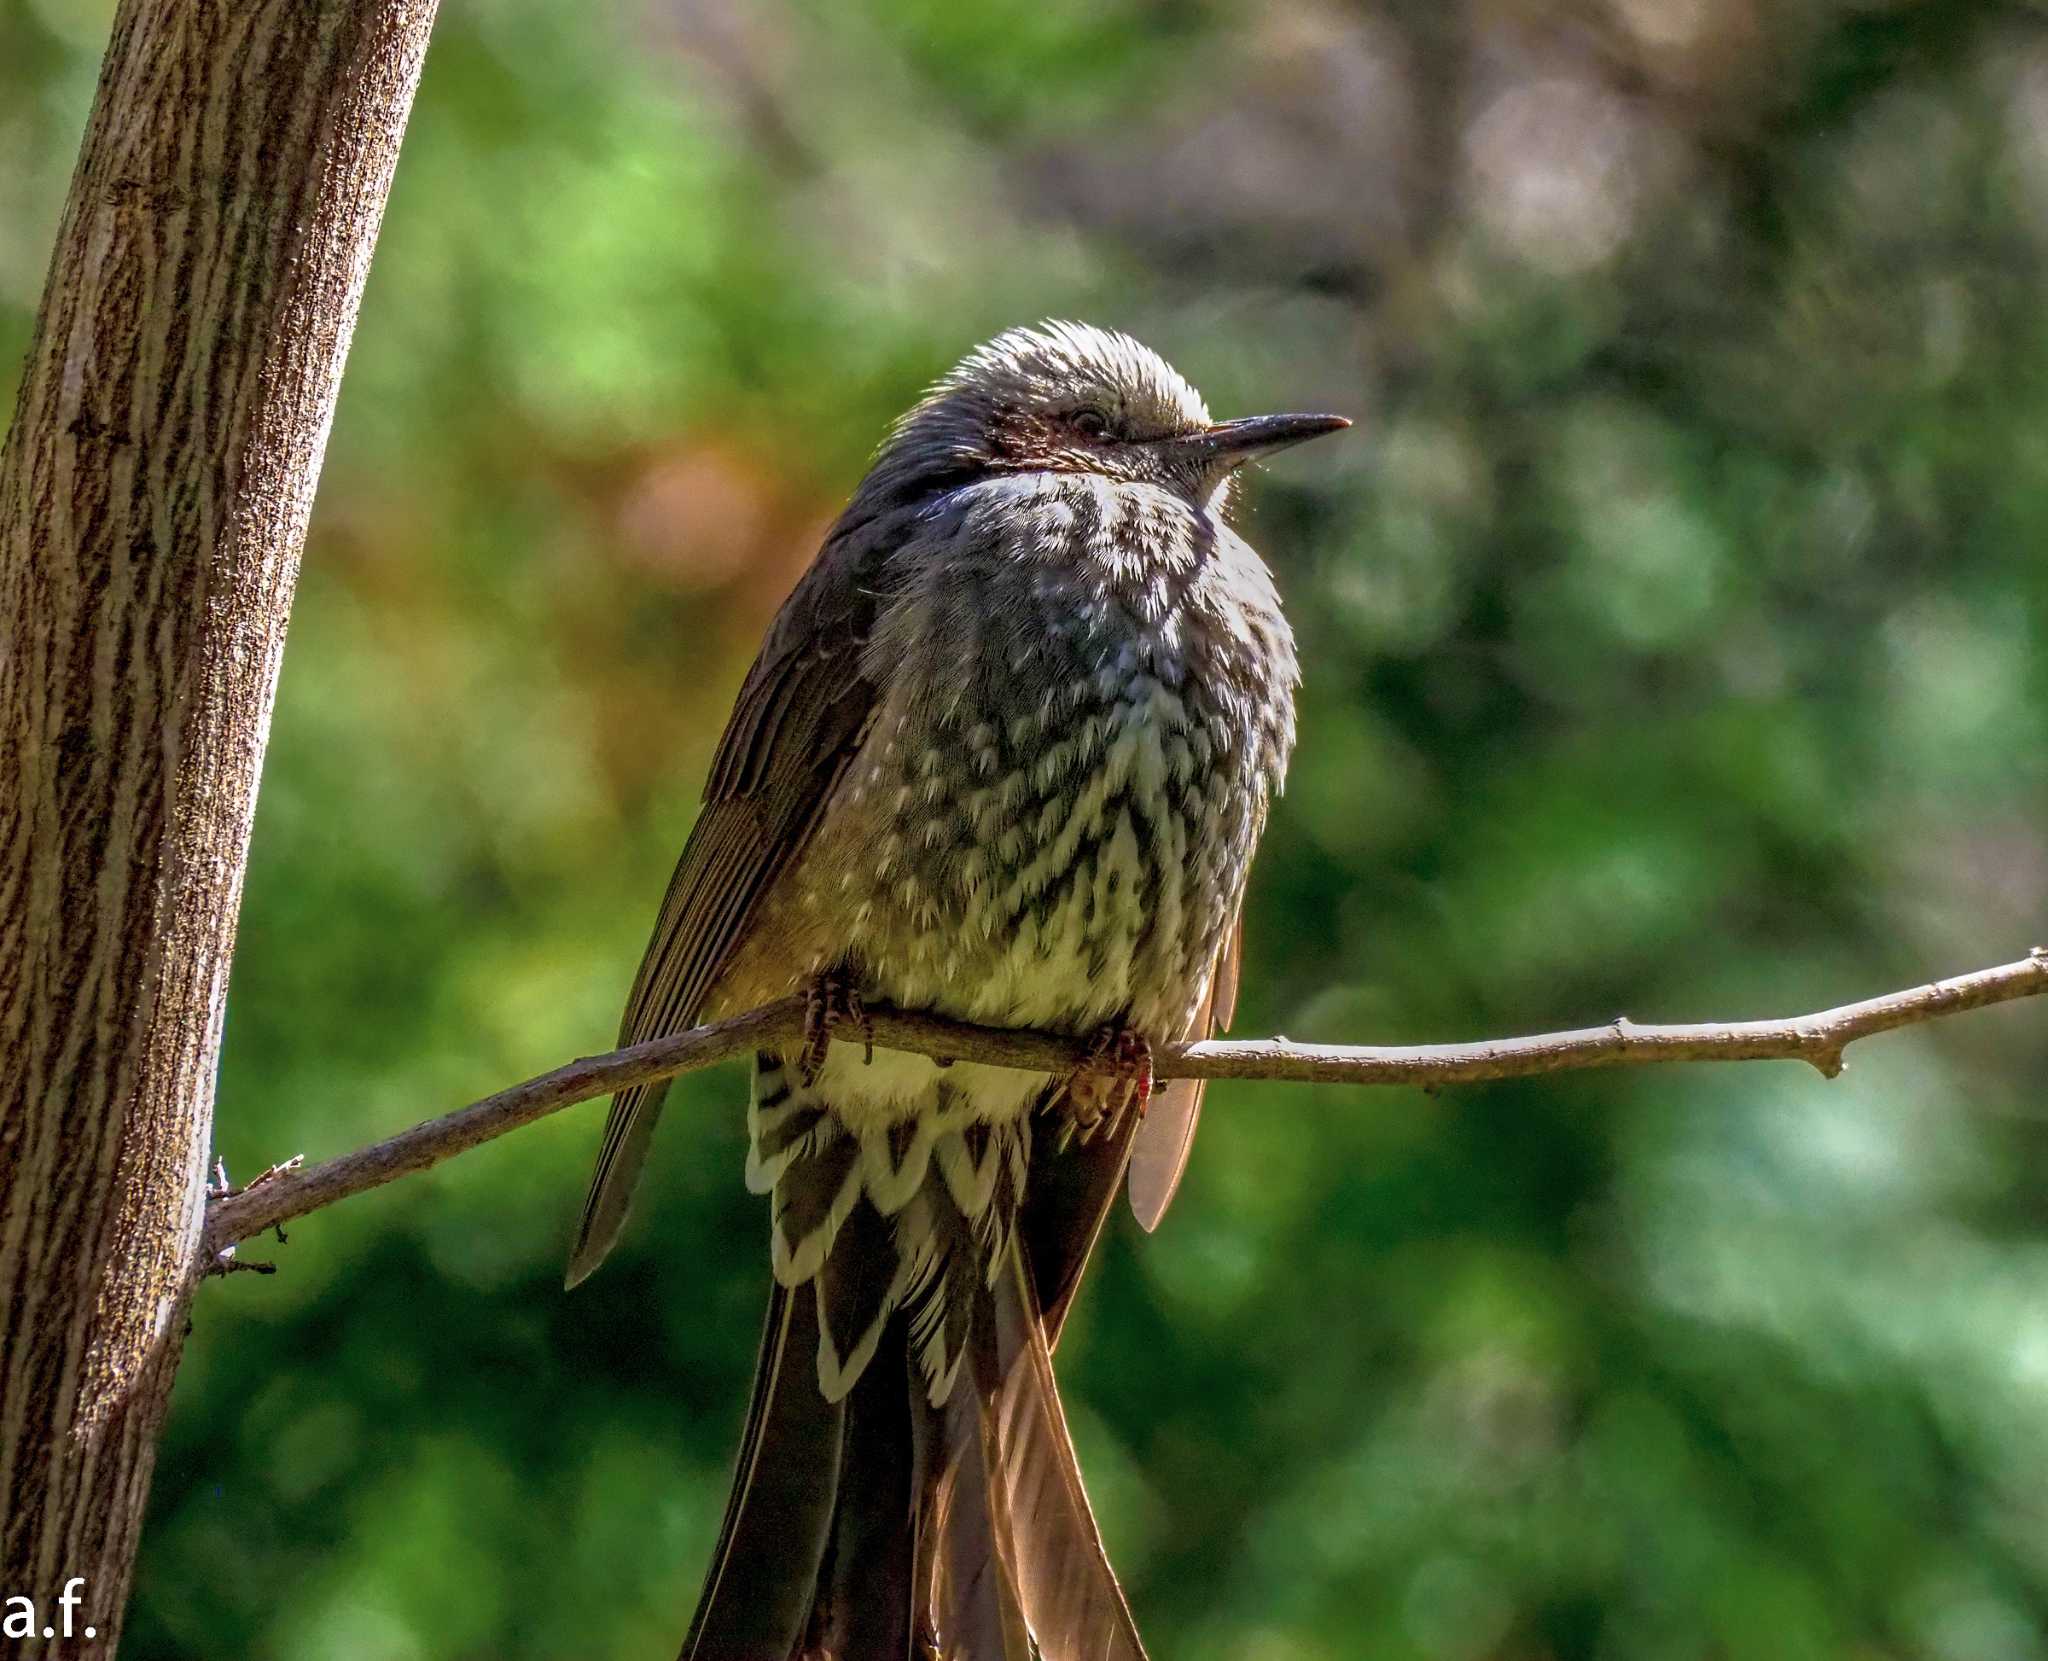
(1674, 632)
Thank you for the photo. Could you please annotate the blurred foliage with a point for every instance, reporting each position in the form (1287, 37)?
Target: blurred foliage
(1674, 634)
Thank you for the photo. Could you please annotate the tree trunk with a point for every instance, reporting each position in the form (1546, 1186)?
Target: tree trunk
(154, 490)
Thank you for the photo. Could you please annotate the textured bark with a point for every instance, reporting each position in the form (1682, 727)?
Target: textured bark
(154, 489)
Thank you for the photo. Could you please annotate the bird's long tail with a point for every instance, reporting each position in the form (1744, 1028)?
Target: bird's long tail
(906, 1484)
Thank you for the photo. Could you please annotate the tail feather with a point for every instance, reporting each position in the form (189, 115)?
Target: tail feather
(1016, 1566)
(907, 1487)
(1069, 1592)
(761, 1587)
(870, 1550)
(965, 1596)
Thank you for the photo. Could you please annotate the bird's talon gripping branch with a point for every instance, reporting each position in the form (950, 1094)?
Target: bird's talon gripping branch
(1116, 1074)
(831, 1000)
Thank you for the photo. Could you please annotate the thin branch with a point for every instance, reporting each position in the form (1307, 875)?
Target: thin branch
(289, 1190)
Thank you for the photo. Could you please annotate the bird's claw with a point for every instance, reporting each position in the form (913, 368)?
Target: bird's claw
(1116, 1074)
(832, 1000)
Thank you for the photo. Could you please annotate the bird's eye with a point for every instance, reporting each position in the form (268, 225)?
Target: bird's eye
(1090, 422)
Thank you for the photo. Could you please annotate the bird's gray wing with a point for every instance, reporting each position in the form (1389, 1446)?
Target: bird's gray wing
(1167, 1137)
(799, 718)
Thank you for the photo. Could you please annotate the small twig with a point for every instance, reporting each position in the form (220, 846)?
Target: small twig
(224, 1263)
(286, 1191)
(283, 1168)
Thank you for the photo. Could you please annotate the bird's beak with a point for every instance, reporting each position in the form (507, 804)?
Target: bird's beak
(1231, 443)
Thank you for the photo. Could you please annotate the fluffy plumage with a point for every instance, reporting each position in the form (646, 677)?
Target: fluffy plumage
(1006, 754)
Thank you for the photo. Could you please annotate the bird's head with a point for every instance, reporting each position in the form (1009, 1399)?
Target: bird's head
(1068, 398)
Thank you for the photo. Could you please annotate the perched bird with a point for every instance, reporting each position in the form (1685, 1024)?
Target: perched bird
(1005, 755)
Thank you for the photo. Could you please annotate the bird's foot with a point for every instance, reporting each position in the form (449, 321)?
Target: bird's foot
(832, 1000)
(1117, 1074)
